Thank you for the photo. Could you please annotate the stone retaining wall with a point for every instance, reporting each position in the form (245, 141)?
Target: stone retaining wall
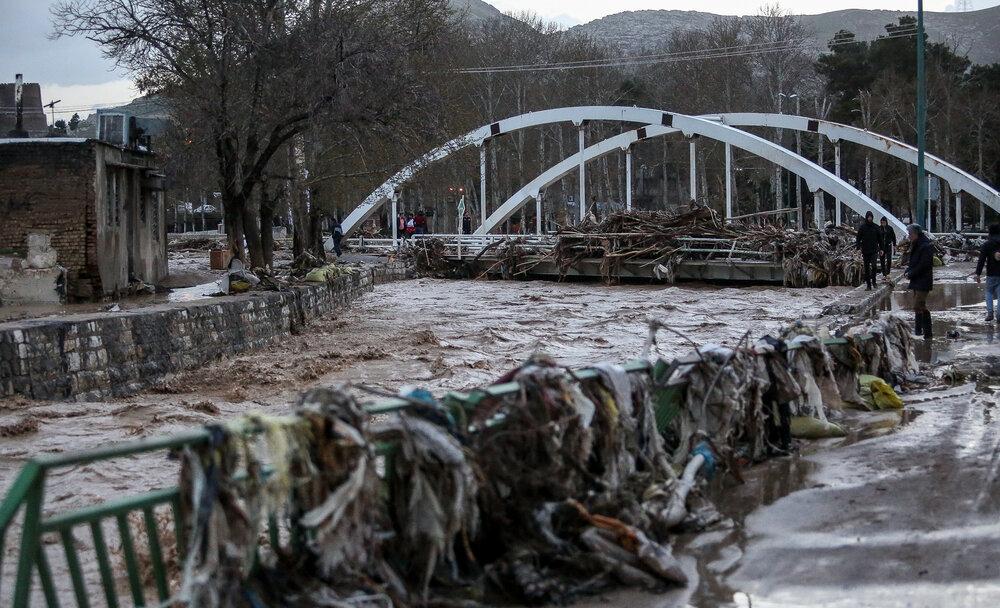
(88, 357)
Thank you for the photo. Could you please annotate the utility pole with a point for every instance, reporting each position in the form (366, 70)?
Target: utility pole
(52, 107)
(921, 118)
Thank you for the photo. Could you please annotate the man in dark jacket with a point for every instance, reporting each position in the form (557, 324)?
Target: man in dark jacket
(869, 241)
(920, 271)
(989, 257)
(887, 244)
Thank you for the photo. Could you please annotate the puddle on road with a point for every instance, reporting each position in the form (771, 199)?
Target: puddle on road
(958, 309)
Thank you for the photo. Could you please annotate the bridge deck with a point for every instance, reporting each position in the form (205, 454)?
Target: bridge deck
(705, 259)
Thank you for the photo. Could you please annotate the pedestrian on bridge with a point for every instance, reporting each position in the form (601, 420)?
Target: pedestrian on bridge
(869, 241)
(920, 272)
(989, 258)
(888, 244)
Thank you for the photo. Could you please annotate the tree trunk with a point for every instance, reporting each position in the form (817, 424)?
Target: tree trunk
(251, 230)
(267, 206)
(235, 209)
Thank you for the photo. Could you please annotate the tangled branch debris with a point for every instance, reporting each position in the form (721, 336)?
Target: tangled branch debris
(810, 258)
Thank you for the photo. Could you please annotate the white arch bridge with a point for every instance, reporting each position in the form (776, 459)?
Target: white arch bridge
(725, 128)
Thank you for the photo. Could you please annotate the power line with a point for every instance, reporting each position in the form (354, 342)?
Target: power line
(679, 56)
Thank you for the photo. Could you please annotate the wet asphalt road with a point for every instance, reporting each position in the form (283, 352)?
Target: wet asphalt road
(905, 512)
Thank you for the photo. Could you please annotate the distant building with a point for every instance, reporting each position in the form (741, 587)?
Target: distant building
(101, 204)
(33, 120)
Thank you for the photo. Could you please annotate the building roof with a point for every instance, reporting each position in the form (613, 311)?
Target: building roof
(33, 116)
(47, 140)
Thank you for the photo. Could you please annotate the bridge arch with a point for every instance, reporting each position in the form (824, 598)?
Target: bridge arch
(817, 178)
(576, 115)
(957, 179)
(960, 181)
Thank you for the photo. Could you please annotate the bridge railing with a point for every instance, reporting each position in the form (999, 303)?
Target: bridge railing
(461, 245)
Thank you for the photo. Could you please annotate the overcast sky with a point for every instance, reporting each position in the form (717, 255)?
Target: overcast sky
(74, 71)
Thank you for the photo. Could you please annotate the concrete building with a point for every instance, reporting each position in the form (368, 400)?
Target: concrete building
(34, 123)
(101, 205)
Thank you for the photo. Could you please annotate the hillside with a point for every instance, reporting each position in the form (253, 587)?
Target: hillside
(476, 9)
(976, 32)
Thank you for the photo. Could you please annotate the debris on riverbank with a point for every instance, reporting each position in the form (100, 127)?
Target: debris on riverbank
(567, 486)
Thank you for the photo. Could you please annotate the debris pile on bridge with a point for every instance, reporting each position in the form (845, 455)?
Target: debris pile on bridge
(565, 485)
(810, 258)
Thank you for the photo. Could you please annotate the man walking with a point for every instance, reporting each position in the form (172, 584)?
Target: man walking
(989, 257)
(888, 243)
(920, 271)
(869, 241)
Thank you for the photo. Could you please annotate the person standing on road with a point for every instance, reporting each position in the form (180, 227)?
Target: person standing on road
(869, 241)
(887, 244)
(337, 233)
(989, 257)
(920, 271)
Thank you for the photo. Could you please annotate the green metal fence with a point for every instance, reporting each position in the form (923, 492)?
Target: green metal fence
(26, 497)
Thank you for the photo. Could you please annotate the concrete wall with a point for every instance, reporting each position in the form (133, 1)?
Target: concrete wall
(94, 356)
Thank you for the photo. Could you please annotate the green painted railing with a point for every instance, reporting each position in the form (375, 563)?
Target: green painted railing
(27, 495)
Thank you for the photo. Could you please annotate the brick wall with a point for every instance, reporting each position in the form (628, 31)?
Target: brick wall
(49, 187)
(94, 356)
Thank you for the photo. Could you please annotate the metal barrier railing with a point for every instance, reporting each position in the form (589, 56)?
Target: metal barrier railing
(27, 496)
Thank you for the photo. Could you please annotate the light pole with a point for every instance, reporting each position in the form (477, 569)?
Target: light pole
(798, 151)
(921, 118)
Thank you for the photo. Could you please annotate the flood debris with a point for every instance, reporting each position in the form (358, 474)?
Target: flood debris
(809, 258)
(564, 485)
(536, 498)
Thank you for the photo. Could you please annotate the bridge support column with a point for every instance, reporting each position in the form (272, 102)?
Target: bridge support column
(394, 220)
(693, 164)
(538, 213)
(958, 211)
(628, 179)
(982, 216)
(836, 171)
(482, 182)
(819, 208)
(583, 175)
(729, 181)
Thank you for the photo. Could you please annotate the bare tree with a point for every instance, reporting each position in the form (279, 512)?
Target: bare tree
(253, 73)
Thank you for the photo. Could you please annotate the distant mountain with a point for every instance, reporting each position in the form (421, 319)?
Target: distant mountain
(476, 9)
(976, 33)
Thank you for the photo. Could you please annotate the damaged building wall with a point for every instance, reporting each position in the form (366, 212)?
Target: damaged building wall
(111, 354)
(46, 188)
(90, 197)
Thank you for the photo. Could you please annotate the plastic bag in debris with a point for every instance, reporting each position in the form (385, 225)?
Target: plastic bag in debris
(725, 401)
(433, 492)
(889, 353)
(806, 427)
(877, 394)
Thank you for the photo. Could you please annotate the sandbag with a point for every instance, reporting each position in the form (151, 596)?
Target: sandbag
(807, 427)
(877, 393)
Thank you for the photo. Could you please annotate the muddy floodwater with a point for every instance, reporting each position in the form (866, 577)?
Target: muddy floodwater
(438, 334)
(902, 512)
